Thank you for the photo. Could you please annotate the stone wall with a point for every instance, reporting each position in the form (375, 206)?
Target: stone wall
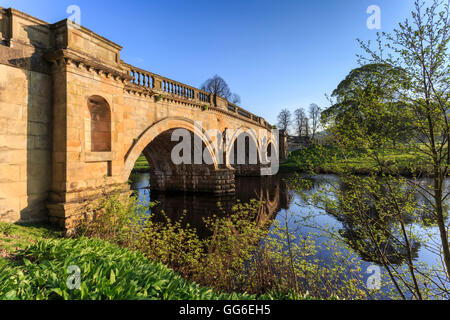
(25, 129)
(74, 118)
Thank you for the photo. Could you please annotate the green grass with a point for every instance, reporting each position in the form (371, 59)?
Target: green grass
(331, 160)
(14, 237)
(141, 164)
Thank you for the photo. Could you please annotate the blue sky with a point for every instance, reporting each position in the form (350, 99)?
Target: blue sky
(274, 53)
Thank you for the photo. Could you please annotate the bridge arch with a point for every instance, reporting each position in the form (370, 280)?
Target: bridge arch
(156, 144)
(154, 131)
(247, 164)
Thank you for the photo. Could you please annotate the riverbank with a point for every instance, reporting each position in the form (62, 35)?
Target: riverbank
(329, 160)
(36, 262)
(141, 165)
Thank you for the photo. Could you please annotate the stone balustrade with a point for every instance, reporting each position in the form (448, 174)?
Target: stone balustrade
(161, 85)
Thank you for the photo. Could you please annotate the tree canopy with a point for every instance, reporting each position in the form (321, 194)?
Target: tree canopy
(217, 85)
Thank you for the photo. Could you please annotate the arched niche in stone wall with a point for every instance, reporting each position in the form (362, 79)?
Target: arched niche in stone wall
(98, 125)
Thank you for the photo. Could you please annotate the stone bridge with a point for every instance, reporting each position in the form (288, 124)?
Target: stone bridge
(74, 118)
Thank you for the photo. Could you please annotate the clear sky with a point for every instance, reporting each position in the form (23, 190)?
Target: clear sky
(274, 53)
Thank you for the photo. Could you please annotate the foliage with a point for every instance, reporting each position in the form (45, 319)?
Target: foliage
(5, 228)
(377, 214)
(339, 158)
(367, 101)
(141, 165)
(18, 236)
(241, 254)
(402, 90)
(313, 158)
(108, 272)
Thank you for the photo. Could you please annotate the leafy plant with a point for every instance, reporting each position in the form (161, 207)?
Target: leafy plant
(107, 272)
(5, 228)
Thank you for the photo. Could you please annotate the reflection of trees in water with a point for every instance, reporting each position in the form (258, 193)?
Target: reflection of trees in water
(355, 215)
(193, 208)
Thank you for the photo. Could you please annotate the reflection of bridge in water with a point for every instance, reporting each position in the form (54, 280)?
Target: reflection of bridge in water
(272, 190)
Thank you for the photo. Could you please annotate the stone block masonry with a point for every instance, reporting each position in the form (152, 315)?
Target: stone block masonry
(74, 118)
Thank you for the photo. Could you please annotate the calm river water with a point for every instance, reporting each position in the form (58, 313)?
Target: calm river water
(280, 201)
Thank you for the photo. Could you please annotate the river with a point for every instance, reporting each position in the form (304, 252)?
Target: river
(280, 201)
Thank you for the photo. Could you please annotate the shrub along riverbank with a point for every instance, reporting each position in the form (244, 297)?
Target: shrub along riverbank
(41, 271)
(36, 262)
(127, 254)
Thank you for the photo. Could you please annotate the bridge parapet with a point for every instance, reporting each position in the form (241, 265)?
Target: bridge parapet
(152, 84)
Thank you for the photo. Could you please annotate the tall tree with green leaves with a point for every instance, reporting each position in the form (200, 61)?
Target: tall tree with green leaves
(372, 86)
(401, 93)
(420, 47)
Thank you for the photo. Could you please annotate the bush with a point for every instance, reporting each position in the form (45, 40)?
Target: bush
(241, 254)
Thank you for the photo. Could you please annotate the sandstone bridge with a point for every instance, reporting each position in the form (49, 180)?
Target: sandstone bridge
(74, 118)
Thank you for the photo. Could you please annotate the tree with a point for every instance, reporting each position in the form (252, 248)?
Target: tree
(300, 121)
(409, 74)
(284, 120)
(314, 114)
(216, 85)
(307, 130)
(235, 98)
(371, 85)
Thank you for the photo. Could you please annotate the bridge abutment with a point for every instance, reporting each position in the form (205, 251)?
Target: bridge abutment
(84, 205)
